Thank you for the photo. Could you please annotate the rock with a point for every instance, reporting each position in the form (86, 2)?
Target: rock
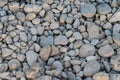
(106, 51)
(21, 57)
(14, 64)
(6, 52)
(45, 52)
(54, 25)
(91, 69)
(114, 76)
(101, 76)
(23, 36)
(14, 6)
(94, 31)
(63, 18)
(88, 10)
(76, 23)
(103, 8)
(46, 41)
(115, 17)
(69, 20)
(116, 34)
(36, 21)
(48, 1)
(45, 77)
(33, 31)
(75, 62)
(3, 67)
(54, 51)
(71, 76)
(114, 62)
(3, 2)
(31, 57)
(30, 16)
(4, 75)
(89, 58)
(77, 36)
(20, 16)
(61, 40)
(40, 30)
(86, 50)
(57, 65)
(30, 74)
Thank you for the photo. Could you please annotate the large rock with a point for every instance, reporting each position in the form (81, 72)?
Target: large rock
(61, 40)
(116, 34)
(94, 31)
(101, 76)
(88, 10)
(106, 51)
(45, 53)
(91, 68)
(86, 50)
(31, 57)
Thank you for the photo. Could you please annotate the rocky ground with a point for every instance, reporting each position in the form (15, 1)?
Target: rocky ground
(59, 40)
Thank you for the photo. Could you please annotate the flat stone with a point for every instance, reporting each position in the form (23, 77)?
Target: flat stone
(106, 51)
(101, 76)
(86, 50)
(6, 52)
(31, 57)
(91, 69)
(30, 16)
(14, 6)
(55, 50)
(61, 40)
(103, 8)
(20, 16)
(54, 25)
(45, 53)
(45, 77)
(88, 10)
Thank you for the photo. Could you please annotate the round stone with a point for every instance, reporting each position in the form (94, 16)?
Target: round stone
(101, 76)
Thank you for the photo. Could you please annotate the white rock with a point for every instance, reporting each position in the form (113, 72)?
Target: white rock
(101, 76)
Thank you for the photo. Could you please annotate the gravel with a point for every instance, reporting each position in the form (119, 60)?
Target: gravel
(59, 40)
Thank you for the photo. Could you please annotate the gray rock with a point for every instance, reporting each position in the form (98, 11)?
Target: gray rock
(45, 77)
(46, 41)
(91, 69)
(88, 10)
(40, 30)
(75, 62)
(31, 57)
(94, 31)
(3, 2)
(61, 40)
(55, 51)
(114, 76)
(57, 65)
(30, 16)
(34, 31)
(106, 51)
(77, 36)
(86, 50)
(116, 34)
(45, 53)
(48, 1)
(14, 64)
(23, 36)
(54, 25)
(101, 76)
(103, 8)
(3, 67)
(114, 62)
(20, 16)
(63, 18)
(76, 23)
(71, 76)
(6, 52)
(36, 21)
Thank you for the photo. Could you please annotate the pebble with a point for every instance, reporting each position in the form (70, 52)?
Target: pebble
(103, 8)
(14, 64)
(54, 25)
(2, 3)
(57, 65)
(45, 77)
(114, 62)
(88, 10)
(61, 40)
(30, 16)
(14, 6)
(20, 16)
(91, 69)
(101, 76)
(45, 52)
(114, 76)
(77, 36)
(106, 51)
(71, 76)
(31, 57)
(55, 51)
(86, 50)
(6, 52)
(23, 36)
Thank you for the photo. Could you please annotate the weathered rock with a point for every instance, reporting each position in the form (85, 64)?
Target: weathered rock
(30, 16)
(14, 64)
(114, 62)
(114, 76)
(86, 50)
(57, 65)
(61, 40)
(116, 34)
(71, 76)
(45, 53)
(94, 31)
(106, 51)
(103, 8)
(3, 2)
(45, 77)
(31, 57)
(20, 16)
(14, 6)
(54, 51)
(91, 69)
(88, 10)
(101, 76)
(6, 52)
(54, 25)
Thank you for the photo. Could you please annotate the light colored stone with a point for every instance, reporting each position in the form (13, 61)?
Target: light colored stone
(54, 25)
(101, 76)
(88, 10)
(40, 30)
(86, 50)
(6, 52)
(31, 57)
(3, 2)
(61, 40)
(36, 21)
(77, 36)
(14, 6)
(30, 16)
(115, 17)
(45, 77)
(45, 53)
(23, 36)
(106, 51)
(57, 65)
(91, 69)
(55, 50)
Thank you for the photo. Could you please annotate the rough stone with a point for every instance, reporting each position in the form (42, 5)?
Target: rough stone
(6, 52)
(14, 6)
(54, 25)
(20, 16)
(101, 76)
